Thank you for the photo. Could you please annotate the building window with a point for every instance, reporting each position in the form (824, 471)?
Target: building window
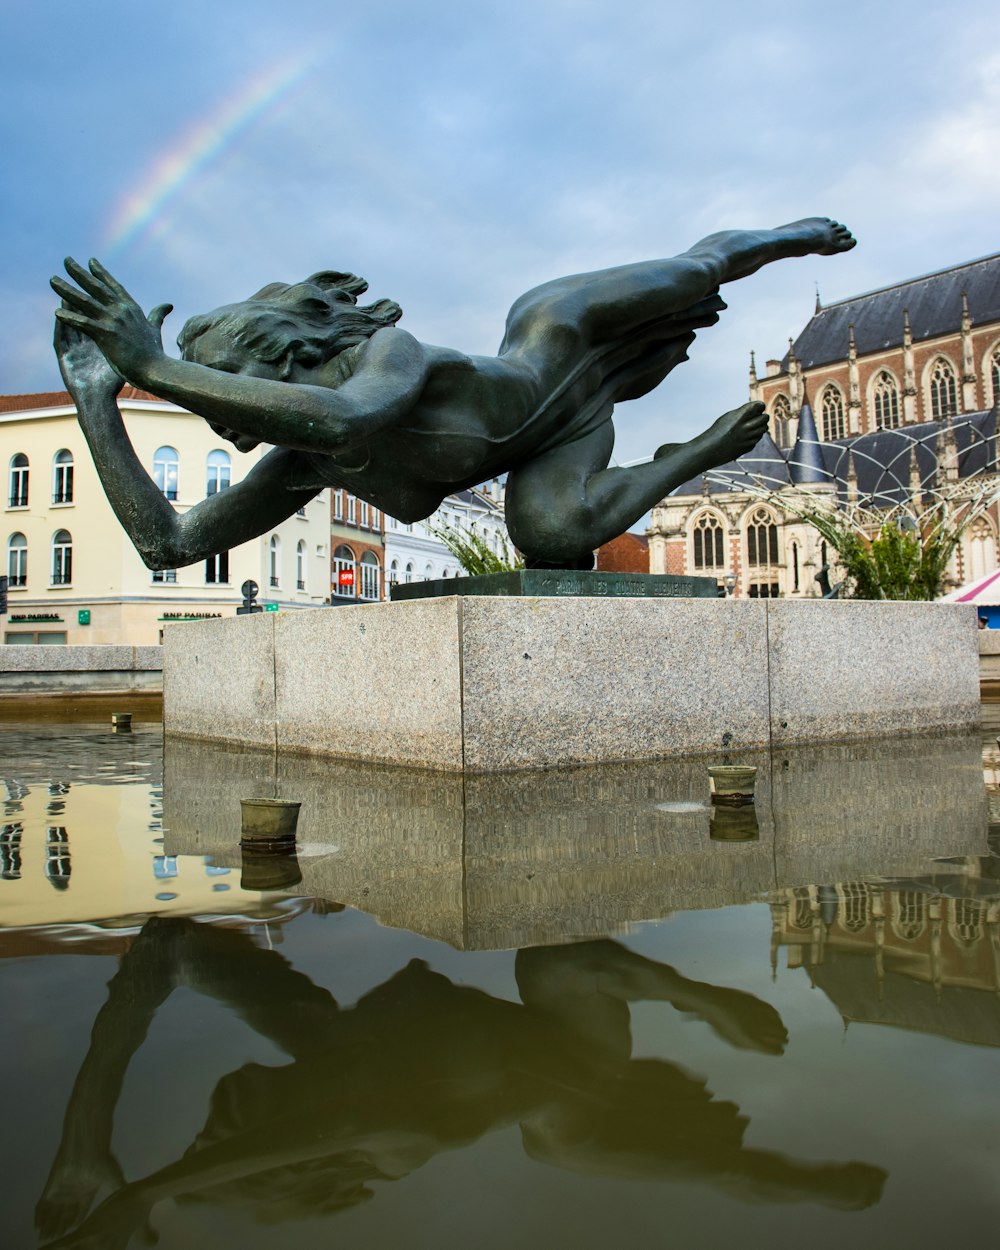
(885, 398)
(709, 544)
(166, 466)
(408, 573)
(338, 505)
(17, 560)
(780, 417)
(218, 468)
(763, 590)
(374, 518)
(18, 492)
(393, 572)
(795, 566)
(363, 514)
(62, 477)
(274, 561)
(762, 539)
(300, 565)
(217, 569)
(344, 572)
(370, 570)
(942, 386)
(995, 375)
(62, 558)
(832, 407)
(352, 510)
(165, 577)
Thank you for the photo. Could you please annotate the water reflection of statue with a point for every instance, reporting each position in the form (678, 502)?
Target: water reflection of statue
(419, 1065)
(349, 400)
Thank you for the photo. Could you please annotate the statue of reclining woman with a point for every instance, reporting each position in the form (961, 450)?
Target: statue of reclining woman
(349, 400)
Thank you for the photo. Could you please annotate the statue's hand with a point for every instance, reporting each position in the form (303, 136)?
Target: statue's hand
(100, 308)
(83, 365)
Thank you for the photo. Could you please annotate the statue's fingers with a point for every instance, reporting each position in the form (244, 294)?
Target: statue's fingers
(77, 320)
(85, 279)
(98, 270)
(74, 298)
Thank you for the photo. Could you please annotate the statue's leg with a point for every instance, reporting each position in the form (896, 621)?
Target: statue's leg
(610, 303)
(567, 502)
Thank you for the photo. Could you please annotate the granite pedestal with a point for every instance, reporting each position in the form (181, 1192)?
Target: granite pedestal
(489, 684)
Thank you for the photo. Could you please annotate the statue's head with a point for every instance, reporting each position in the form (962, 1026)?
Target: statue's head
(282, 326)
(306, 323)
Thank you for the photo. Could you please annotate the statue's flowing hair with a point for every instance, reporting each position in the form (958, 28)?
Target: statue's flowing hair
(308, 322)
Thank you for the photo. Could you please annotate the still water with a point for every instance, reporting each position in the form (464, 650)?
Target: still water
(561, 1010)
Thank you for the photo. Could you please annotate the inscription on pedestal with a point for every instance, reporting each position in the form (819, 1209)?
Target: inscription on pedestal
(545, 583)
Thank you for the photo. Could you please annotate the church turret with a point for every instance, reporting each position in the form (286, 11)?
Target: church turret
(946, 450)
(854, 398)
(909, 382)
(754, 385)
(805, 462)
(794, 378)
(968, 360)
(852, 479)
(916, 485)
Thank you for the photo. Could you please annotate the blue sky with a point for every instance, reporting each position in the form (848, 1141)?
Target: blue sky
(458, 153)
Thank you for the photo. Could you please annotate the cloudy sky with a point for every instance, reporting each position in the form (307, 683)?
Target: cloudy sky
(458, 152)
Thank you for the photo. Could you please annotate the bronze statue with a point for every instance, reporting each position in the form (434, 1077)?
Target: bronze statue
(350, 400)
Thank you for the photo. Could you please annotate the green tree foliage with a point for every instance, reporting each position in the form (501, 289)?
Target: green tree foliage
(474, 553)
(891, 560)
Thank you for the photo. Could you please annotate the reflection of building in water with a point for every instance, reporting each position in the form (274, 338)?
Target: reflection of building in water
(10, 852)
(57, 863)
(923, 954)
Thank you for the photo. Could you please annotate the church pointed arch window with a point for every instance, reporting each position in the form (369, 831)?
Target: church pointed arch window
(781, 415)
(709, 543)
(885, 401)
(832, 408)
(994, 372)
(981, 549)
(762, 539)
(943, 390)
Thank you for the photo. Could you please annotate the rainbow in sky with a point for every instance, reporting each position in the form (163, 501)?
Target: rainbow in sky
(142, 212)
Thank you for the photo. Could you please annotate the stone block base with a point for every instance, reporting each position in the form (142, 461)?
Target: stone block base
(490, 684)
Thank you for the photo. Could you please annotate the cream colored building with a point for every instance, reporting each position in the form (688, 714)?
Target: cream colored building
(74, 576)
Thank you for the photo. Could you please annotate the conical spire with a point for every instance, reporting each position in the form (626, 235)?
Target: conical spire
(805, 464)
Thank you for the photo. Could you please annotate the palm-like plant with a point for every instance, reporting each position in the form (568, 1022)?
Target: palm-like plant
(474, 553)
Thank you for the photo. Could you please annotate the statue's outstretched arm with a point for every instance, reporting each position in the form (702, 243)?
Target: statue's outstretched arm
(389, 377)
(164, 538)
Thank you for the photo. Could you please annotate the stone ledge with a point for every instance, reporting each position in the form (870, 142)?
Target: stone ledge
(496, 684)
(46, 658)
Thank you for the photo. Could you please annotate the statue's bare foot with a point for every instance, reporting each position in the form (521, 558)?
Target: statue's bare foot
(732, 435)
(819, 236)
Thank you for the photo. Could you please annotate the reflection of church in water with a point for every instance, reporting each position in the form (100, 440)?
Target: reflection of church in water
(921, 954)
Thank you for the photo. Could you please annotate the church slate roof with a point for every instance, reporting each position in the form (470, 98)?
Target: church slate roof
(881, 461)
(764, 465)
(935, 306)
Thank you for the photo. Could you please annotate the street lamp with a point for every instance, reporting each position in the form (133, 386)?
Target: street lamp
(729, 581)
